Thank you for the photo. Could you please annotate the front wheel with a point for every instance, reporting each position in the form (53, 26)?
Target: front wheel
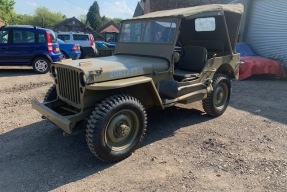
(116, 128)
(217, 101)
(51, 94)
(41, 65)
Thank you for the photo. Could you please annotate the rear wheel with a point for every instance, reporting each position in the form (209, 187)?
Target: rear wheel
(41, 65)
(217, 101)
(116, 128)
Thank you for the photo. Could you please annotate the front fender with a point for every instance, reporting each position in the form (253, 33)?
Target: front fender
(116, 84)
(142, 88)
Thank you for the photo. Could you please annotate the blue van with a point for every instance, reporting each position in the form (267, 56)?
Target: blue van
(28, 45)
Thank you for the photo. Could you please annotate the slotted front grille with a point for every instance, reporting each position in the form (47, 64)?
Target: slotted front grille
(68, 82)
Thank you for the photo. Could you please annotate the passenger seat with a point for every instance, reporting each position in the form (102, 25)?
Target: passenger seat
(191, 64)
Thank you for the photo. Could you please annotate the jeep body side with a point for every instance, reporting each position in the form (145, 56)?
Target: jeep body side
(161, 59)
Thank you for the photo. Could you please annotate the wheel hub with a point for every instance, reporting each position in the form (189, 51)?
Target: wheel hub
(123, 130)
(220, 95)
(41, 65)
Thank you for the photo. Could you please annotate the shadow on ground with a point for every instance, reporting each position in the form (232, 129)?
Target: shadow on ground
(38, 158)
(8, 72)
(261, 95)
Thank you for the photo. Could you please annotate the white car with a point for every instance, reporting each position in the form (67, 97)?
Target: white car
(85, 40)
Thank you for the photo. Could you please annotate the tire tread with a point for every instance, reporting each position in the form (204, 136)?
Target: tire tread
(98, 118)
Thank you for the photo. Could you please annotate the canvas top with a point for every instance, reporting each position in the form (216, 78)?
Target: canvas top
(215, 9)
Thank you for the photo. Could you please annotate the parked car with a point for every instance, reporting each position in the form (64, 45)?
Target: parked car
(109, 44)
(85, 40)
(28, 45)
(104, 48)
(112, 42)
(69, 50)
(101, 45)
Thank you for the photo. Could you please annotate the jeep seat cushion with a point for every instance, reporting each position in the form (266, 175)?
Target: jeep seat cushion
(194, 59)
(180, 75)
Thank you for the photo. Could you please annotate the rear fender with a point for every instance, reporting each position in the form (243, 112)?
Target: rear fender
(227, 70)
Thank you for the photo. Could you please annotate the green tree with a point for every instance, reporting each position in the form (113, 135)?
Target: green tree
(93, 16)
(24, 20)
(7, 13)
(42, 17)
(117, 20)
(105, 20)
(83, 18)
(46, 18)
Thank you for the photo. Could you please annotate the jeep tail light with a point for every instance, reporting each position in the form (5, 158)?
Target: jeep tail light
(91, 39)
(49, 41)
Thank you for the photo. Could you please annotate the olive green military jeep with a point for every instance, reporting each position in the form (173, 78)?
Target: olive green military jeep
(161, 59)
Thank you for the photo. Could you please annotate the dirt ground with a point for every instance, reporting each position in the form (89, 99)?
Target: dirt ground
(184, 149)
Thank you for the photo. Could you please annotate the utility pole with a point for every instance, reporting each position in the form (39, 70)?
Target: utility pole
(43, 22)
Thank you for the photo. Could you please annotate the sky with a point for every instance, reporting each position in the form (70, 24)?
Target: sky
(110, 8)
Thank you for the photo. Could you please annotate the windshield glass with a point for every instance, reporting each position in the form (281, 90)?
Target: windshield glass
(149, 31)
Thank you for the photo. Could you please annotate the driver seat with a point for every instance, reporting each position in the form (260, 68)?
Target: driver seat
(191, 64)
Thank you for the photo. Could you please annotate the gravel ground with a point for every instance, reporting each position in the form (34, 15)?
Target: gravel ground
(184, 149)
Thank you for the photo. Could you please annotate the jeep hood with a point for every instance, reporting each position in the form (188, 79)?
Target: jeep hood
(116, 67)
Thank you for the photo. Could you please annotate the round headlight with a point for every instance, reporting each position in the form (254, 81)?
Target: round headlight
(54, 71)
(83, 79)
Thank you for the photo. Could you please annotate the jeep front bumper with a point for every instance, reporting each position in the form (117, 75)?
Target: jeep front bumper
(63, 122)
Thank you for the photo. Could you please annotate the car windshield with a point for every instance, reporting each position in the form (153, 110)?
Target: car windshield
(60, 41)
(149, 31)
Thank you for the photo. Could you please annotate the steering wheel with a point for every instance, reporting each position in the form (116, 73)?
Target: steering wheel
(179, 48)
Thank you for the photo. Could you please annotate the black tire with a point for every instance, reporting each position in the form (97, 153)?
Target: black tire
(116, 128)
(65, 55)
(41, 65)
(217, 101)
(51, 94)
(82, 56)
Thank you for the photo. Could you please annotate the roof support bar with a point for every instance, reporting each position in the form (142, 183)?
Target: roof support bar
(227, 33)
